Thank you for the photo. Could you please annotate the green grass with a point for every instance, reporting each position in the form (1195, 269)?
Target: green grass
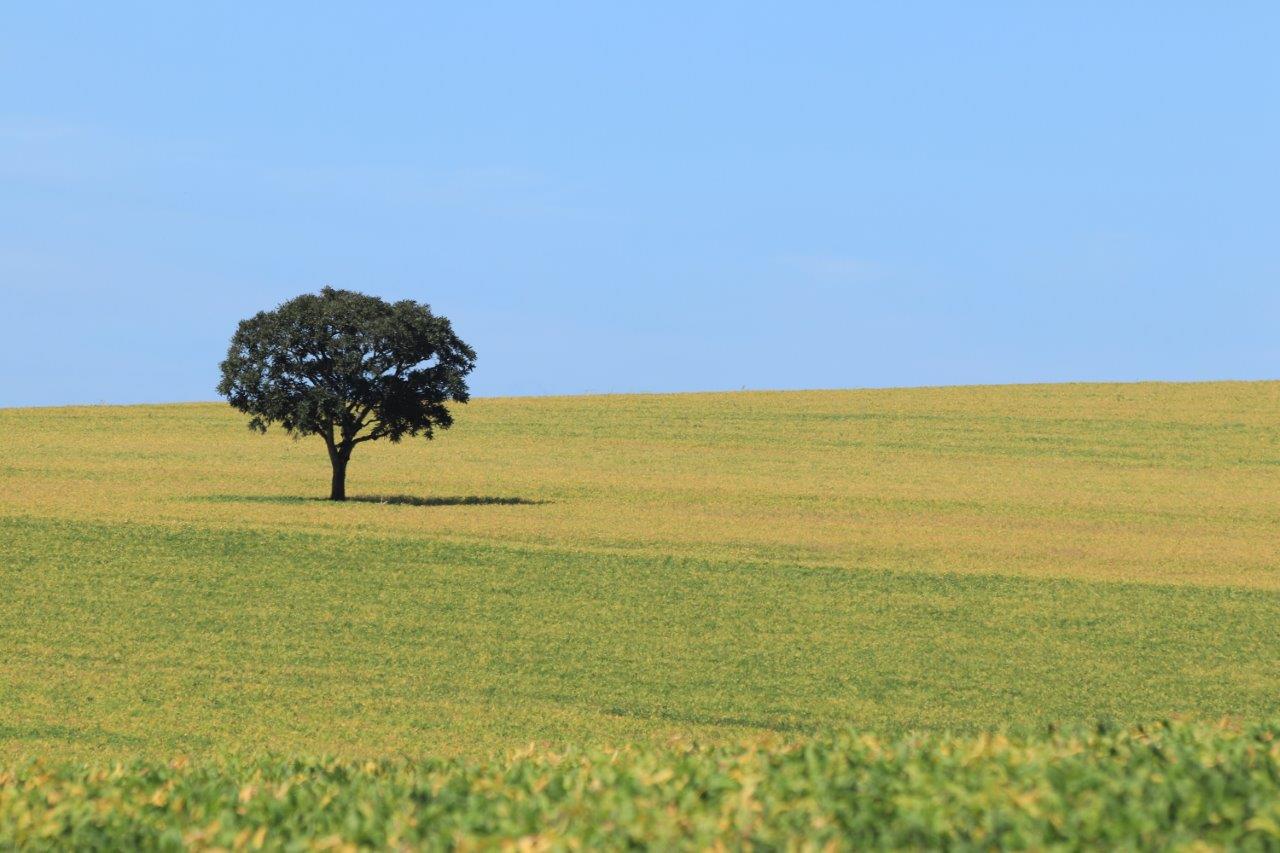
(610, 569)
(1165, 787)
(133, 639)
(627, 570)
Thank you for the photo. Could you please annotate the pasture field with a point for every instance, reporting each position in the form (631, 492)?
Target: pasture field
(627, 569)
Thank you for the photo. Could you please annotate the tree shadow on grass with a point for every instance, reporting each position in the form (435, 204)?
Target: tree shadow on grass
(455, 500)
(390, 500)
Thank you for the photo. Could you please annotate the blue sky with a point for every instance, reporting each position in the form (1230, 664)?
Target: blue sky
(647, 197)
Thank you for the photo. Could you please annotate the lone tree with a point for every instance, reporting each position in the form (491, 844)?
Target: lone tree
(349, 368)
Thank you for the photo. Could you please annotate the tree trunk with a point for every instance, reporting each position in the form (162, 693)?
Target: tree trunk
(338, 491)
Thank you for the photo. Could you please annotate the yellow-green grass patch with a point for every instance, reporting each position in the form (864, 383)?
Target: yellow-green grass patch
(605, 569)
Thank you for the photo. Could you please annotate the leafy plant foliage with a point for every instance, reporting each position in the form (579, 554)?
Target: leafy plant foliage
(1171, 785)
(349, 368)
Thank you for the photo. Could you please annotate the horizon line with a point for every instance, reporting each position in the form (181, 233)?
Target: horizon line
(103, 404)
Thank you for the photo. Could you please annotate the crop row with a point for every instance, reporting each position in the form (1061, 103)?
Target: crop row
(1168, 784)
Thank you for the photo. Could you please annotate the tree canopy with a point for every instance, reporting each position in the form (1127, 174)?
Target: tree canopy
(349, 368)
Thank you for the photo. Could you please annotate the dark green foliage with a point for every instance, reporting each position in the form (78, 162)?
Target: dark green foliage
(349, 368)
(1170, 785)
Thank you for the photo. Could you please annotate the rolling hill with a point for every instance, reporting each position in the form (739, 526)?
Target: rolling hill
(631, 568)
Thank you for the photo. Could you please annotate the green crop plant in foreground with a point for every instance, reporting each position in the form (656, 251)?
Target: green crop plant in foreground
(1163, 786)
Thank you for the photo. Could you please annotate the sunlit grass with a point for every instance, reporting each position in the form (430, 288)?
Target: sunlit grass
(608, 569)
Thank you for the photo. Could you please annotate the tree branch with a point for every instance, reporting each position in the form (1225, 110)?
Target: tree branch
(376, 434)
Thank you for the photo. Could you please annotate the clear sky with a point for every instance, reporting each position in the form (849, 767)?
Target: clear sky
(647, 196)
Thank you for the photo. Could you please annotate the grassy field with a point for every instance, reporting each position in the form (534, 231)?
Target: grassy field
(595, 570)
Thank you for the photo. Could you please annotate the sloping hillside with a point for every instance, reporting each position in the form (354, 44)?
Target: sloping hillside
(599, 569)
